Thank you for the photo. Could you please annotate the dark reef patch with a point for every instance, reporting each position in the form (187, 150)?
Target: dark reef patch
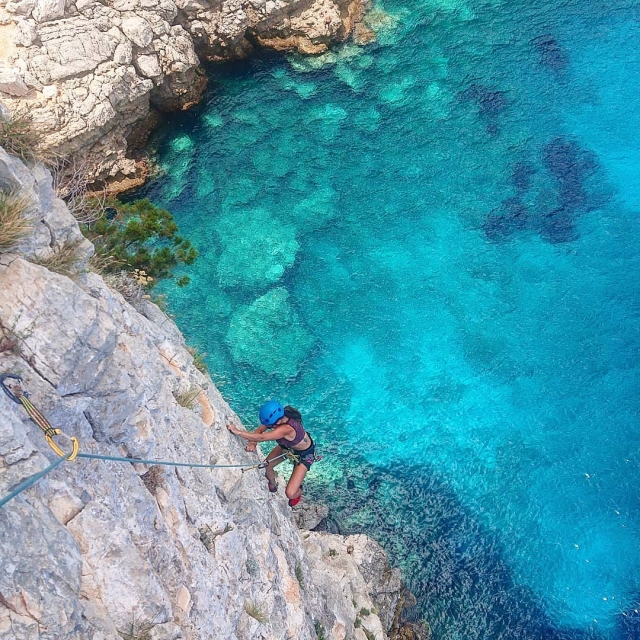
(571, 168)
(512, 216)
(574, 186)
(551, 54)
(522, 175)
(558, 227)
(490, 103)
(570, 165)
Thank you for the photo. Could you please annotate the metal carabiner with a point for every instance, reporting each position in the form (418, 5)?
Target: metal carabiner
(50, 432)
(5, 388)
(75, 445)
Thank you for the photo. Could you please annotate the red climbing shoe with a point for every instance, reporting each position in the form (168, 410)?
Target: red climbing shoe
(294, 501)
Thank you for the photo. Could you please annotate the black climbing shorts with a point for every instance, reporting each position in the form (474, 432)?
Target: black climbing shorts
(306, 457)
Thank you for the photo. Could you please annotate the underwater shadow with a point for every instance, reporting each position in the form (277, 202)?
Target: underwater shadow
(453, 565)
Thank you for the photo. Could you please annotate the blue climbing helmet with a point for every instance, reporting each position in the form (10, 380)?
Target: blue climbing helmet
(271, 412)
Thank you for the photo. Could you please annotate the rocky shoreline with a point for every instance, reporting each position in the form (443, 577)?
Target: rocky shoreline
(103, 550)
(90, 74)
(106, 550)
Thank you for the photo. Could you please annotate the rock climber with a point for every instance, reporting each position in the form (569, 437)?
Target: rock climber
(284, 425)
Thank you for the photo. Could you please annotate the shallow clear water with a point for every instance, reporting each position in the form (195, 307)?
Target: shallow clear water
(431, 246)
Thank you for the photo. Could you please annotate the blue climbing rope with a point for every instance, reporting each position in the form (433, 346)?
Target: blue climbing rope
(94, 456)
(29, 482)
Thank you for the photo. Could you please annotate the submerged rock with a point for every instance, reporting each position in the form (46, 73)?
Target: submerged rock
(258, 249)
(269, 336)
(552, 55)
(552, 195)
(490, 103)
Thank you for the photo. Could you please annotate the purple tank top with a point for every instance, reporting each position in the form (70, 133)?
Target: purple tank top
(299, 434)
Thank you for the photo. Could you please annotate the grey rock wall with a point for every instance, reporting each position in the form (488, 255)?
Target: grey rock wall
(87, 72)
(96, 547)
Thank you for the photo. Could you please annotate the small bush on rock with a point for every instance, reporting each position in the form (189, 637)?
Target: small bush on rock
(63, 260)
(18, 137)
(187, 399)
(140, 238)
(256, 611)
(198, 360)
(370, 635)
(300, 576)
(72, 182)
(137, 631)
(123, 282)
(320, 632)
(13, 224)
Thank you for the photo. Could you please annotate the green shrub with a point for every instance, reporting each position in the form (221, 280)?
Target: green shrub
(300, 576)
(370, 635)
(256, 611)
(198, 360)
(162, 303)
(320, 632)
(364, 613)
(13, 224)
(358, 623)
(140, 237)
(18, 137)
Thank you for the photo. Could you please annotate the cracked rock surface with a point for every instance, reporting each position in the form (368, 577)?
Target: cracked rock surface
(88, 71)
(96, 547)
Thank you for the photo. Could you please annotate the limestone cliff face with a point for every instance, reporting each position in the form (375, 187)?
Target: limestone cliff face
(87, 71)
(96, 547)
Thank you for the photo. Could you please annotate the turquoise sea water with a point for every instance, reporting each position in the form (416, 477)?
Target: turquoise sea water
(430, 245)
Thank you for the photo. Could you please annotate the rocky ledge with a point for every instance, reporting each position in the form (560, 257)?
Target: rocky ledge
(105, 550)
(89, 72)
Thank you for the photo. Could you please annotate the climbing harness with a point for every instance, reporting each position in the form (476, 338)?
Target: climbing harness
(295, 457)
(50, 432)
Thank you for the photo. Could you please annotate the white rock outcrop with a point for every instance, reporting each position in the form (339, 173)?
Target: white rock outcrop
(88, 72)
(96, 548)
